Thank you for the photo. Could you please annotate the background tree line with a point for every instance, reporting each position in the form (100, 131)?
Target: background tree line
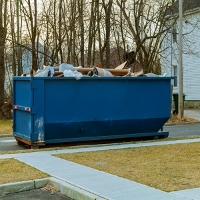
(79, 32)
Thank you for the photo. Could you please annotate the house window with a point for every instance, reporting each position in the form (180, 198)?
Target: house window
(175, 72)
(174, 33)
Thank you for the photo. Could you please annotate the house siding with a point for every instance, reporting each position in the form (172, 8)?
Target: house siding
(191, 56)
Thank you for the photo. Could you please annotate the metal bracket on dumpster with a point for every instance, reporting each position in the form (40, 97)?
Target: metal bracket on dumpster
(34, 110)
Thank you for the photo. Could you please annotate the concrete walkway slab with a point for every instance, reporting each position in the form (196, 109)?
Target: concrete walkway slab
(193, 113)
(99, 148)
(97, 182)
(189, 193)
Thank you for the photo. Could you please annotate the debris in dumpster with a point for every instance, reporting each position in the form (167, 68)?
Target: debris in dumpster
(101, 72)
(114, 72)
(136, 74)
(65, 66)
(68, 70)
(154, 75)
(123, 65)
(51, 69)
(151, 75)
(69, 73)
(32, 72)
(58, 74)
(136, 67)
(43, 73)
(130, 57)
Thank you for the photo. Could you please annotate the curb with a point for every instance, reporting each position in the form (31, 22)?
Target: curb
(22, 186)
(63, 187)
(6, 135)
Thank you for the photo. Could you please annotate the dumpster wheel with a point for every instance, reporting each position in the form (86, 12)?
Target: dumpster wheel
(20, 143)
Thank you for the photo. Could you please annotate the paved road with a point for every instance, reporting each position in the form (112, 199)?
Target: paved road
(9, 143)
(183, 130)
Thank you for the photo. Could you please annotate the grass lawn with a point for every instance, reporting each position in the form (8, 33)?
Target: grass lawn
(5, 127)
(168, 168)
(12, 170)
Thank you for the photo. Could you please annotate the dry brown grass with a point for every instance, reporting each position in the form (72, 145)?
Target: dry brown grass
(12, 170)
(168, 168)
(5, 127)
(174, 119)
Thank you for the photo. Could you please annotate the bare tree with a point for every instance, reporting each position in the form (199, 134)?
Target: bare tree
(31, 13)
(13, 39)
(3, 31)
(81, 24)
(107, 8)
(91, 36)
(146, 23)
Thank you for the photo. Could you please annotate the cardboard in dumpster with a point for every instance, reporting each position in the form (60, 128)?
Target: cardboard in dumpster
(58, 74)
(123, 65)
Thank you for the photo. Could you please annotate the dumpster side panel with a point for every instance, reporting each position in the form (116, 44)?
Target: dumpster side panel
(22, 99)
(94, 108)
(38, 110)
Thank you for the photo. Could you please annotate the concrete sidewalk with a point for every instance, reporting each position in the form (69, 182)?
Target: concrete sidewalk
(193, 113)
(98, 184)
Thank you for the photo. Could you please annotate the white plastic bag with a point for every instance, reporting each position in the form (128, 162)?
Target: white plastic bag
(65, 66)
(69, 73)
(101, 72)
(42, 73)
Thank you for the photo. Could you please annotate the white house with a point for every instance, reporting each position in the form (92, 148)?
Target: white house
(27, 59)
(191, 49)
(26, 66)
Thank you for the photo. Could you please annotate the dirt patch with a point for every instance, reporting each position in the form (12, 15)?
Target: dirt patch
(37, 194)
(50, 187)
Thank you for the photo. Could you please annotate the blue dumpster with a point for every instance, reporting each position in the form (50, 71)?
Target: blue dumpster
(60, 109)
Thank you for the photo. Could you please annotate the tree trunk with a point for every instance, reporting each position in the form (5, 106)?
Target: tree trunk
(81, 24)
(59, 34)
(3, 32)
(2, 64)
(99, 32)
(107, 9)
(90, 36)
